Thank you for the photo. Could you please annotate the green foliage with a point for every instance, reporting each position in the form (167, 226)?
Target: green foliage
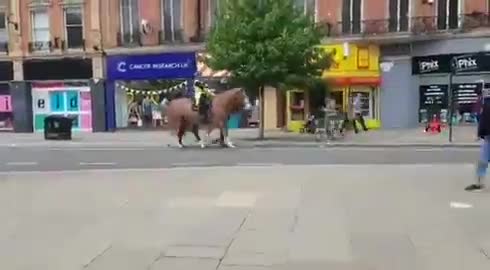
(267, 43)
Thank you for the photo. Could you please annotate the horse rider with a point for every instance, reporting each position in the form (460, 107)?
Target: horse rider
(200, 90)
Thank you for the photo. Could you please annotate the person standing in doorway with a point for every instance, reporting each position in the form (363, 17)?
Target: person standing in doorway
(484, 134)
(357, 113)
(147, 110)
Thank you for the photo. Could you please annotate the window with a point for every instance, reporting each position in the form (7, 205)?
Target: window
(172, 20)
(40, 30)
(74, 27)
(309, 6)
(129, 22)
(351, 16)
(399, 19)
(448, 14)
(214, 10)
(4, 36)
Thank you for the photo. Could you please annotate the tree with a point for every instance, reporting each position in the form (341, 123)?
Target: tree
(266, 43)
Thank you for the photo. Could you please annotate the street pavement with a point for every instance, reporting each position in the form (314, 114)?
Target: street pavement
(87, 158)
(339, 217)
(463, 136)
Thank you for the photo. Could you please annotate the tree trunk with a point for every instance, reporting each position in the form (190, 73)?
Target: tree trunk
(262, 112)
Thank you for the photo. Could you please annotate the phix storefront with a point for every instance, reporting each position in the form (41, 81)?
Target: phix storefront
(438, 91)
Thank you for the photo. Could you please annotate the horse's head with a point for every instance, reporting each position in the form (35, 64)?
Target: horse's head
(239, 100)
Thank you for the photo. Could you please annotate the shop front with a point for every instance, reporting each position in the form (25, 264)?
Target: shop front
(6, 110)
(355, 71)
(138, 85)
(57, 87)
(437, 91)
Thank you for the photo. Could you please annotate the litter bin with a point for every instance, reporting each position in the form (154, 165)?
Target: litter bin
(234, 121)
(57, 127)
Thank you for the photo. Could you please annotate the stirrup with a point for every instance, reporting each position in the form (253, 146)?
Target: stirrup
(195, 107)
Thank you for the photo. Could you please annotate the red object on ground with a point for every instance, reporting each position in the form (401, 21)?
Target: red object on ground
(434, 126)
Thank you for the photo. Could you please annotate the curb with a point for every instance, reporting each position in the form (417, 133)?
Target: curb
(360, 145)
(242, 144)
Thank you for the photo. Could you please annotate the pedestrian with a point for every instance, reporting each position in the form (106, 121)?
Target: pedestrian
(357, 113)
(484, 134)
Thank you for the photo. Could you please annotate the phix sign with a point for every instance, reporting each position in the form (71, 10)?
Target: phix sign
(464, 63)
(428, 66)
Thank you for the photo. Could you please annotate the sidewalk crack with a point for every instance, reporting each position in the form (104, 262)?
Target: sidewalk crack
(100, 254)
(233, 240)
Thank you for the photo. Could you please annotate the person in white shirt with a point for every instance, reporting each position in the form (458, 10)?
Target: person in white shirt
(357, 113)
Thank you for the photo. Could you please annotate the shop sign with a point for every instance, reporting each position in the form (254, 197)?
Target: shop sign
(431, 64)
(458, 63)
(435, 95)
(152, 67)
(5, 103)
(471, 63)
(466, 93)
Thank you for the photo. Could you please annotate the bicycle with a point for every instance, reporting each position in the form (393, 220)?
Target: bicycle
(330, 127)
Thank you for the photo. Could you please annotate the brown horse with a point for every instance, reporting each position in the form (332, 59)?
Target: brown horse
(222, 105)
(181, 118)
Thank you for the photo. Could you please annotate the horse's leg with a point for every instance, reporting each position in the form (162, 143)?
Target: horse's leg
(180, 136)
(195, 131)
(224, 135)
(222, 138)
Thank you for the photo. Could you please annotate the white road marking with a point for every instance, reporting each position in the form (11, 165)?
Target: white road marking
(460, 205)
(97, 163)
(96, 149)
(245, 164)
(191, 164)
(22, 163)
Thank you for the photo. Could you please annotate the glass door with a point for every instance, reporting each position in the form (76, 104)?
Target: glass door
(367, 101)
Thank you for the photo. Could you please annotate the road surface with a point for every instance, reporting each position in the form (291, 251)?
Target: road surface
(72, 158)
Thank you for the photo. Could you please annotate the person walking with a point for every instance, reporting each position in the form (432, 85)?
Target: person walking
(357, 113)
(484, 135)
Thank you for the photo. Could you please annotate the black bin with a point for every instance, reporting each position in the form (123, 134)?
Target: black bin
(57, 127)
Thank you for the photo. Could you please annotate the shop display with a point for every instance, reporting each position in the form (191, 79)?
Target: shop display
(433, 100)
(69, 101)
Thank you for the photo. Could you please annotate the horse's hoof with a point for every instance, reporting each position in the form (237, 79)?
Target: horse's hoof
(230, 145)
(181, 146)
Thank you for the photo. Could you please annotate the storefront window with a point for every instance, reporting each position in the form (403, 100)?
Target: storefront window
(434, 102)
(143, 105)
(367, 102)
(6, 115)
(72, 99)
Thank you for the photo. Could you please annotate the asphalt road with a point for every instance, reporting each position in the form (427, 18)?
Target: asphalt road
(56, 159)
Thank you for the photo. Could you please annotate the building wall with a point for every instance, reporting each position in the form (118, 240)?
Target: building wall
(399, 97)
(449, 46)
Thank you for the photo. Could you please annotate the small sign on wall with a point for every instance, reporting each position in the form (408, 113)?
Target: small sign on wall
(5, 103)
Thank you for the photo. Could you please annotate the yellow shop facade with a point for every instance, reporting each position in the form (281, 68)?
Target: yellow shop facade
(355, 70)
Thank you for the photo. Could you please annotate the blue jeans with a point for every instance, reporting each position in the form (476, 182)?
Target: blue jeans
(482, 166)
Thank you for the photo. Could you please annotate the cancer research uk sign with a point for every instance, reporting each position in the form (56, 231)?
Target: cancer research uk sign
(152, 67)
